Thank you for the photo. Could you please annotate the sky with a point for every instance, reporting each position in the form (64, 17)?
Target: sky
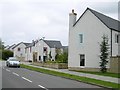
(27, 20)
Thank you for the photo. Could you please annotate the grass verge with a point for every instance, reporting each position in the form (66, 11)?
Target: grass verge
(116, 75)
(74, 77)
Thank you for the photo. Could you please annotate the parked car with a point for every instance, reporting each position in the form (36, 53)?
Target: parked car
(13, 62)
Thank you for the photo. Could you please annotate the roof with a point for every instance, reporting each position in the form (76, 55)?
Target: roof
(30, 45)
(26, 44)
(108, 21)
(53, 44)
(11, 46)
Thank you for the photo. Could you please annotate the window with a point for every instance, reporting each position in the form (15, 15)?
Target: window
(18, 49)
(39, 57)
(45, 49)
(116, 38)
(82, 60)
(81, 38)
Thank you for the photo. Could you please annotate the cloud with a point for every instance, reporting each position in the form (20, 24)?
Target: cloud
(25, 20)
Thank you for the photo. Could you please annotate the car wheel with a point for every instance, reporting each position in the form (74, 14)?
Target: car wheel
(18, 66)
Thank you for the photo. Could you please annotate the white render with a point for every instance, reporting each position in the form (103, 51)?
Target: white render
(38, 48)
(21, 53)
(93, 30)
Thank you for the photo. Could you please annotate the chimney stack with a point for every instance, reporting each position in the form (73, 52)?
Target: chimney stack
(72, 18)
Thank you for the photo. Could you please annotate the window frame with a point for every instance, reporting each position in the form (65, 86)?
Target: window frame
(82, 64)
(80, 38)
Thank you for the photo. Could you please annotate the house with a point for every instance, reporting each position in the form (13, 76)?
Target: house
(10, 47)
(42, 50)
(19, 50)
(85, 36)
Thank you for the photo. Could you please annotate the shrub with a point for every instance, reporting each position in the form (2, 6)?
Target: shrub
(6, 54)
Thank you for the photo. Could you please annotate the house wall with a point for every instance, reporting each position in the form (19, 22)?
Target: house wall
(114, 45)
(53, 53)
(119, 45)
(40, 46)
(93, 30)
(20, 53)
(28, 54)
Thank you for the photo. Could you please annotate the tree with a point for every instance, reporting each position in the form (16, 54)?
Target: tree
(104, 48)
(6, 54)
(1, 44)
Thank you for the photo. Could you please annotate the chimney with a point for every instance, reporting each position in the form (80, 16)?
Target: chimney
(72, 18)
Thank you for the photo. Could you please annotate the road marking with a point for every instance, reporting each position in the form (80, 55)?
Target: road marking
(8, 70)
(42, 87)
(15, 74)
(26, 79)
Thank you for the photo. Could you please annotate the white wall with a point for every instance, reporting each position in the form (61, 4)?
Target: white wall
(92, 29)
(119, 45)
(114, 45)
(21, 52)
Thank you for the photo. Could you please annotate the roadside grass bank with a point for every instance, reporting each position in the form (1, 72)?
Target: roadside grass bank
(116, 75)
(74, 77)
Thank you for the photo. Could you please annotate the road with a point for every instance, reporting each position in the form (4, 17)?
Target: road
(23, 78)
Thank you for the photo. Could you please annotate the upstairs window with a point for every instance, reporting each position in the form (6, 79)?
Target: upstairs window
(81, 38)
(19, 49)
(116, 38)
(44, 49)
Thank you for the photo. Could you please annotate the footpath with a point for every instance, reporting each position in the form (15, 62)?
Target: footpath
(99, 77)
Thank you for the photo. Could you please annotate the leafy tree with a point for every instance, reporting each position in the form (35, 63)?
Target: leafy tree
(6, 54)
(104, 48)
(62, 58)
(1, 44)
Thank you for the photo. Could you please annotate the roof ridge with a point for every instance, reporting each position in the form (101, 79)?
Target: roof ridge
(103, 14)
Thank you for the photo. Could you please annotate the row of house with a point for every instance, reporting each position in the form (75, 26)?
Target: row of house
(38, 51)
(85, 36)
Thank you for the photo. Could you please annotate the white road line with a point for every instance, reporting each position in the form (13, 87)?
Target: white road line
(15, 74)
(8, 70)
(26, 79)
(42, 87)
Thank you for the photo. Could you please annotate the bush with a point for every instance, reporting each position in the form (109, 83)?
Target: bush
(6, 54)
(62, 58)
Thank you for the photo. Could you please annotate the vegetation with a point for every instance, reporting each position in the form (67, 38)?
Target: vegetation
(116, 75)
(74, 77)
(1, 45)
(60, 58)
(6, 54)
(104, 54)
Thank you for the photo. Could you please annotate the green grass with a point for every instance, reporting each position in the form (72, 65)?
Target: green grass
(116, 75)
(74, 77)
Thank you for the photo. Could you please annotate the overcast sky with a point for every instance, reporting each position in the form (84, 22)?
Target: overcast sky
(27, 20)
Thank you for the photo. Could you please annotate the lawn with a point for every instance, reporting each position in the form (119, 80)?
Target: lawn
(73, 77)
(116, 75)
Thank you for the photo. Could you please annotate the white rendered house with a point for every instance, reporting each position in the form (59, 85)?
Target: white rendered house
(19, 50)
(85, 36)
(40, 50)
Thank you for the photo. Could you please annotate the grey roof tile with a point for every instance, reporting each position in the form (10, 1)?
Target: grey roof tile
(53, 44)
(108, 21)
